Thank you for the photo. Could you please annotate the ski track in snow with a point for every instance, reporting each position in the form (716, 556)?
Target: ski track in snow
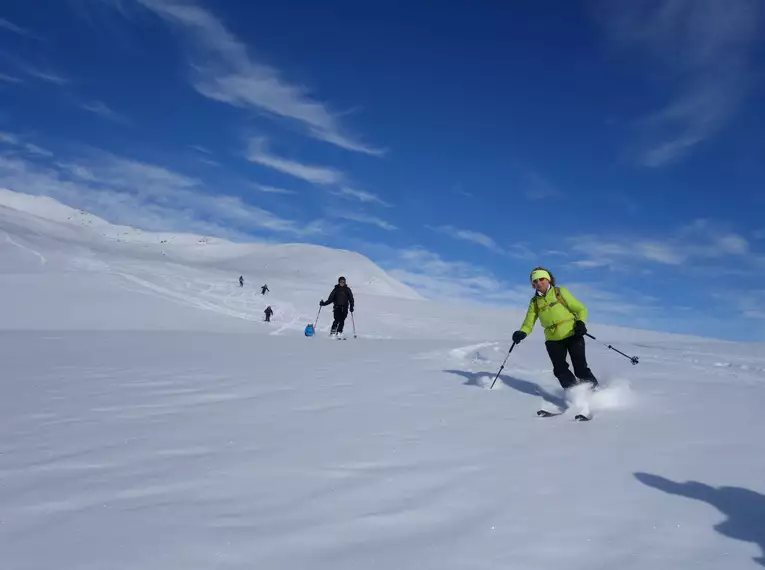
(150, 419)
(13, 242)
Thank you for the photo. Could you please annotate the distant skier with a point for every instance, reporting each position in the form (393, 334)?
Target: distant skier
(342, 298)
(264, 290)
(563, 318)
(269, 311)
(241, 281)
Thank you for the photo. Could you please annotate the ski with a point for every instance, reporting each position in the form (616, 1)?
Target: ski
(547, 414)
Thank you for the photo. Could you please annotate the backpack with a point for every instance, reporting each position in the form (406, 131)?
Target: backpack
(558, 296)
(309, 330)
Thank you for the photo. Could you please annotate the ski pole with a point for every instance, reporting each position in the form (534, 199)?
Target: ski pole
(633, 359)
(353, 321)
(317, 318)
(503, 364)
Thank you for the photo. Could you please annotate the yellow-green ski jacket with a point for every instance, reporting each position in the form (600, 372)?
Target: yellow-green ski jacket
(556, 312)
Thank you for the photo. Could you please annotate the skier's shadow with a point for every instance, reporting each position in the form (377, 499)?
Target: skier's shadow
(523, 386)
(745, 509)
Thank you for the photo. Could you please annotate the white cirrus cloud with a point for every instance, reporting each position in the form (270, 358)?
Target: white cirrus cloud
(46, 75)
(225, 71)
(696, 242)
(273, 189)
(474, 237)
(127, 191)
(705, 50)
(10, 79)
(19, 142)
(540, 188)
(360, 195)
(103, 110)
(363, 219)
(11, 27)
(437, 278)
(322, 175)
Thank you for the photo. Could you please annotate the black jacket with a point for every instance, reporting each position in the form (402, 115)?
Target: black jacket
(341, 297)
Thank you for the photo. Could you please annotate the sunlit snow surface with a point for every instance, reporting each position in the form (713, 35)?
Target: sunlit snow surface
(150, 419)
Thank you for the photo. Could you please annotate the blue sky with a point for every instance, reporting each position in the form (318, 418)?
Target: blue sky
(457, 145)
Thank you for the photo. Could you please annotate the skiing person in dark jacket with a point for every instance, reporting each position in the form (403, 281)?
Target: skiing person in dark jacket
(342, 298)
(264, 289)
(241, 281)
(269, 311)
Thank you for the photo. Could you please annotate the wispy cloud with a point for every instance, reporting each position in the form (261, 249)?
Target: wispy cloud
(699, 241)
(705, 48)
(103, 110)
(540, 188)
(470, 236)
(360, 195)
(326, 176)
(127, 191)
(516, 250)
(591, 263)
(11, 27)
(625, 201)
(273, 189)
(17, 141)
(46, 75)
(460, 191)
(322, 175)
(224, 70)
(363, 219)
(10, 79)
(205, 155)
(437, 278)
(33, 70)
(604, 300)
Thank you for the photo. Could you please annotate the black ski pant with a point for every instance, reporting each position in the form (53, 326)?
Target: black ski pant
(574, 347)
(340, 313)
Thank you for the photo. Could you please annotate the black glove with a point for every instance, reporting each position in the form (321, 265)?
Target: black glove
(518, 336)
(351, 309)
(580, 329)
(321, 303)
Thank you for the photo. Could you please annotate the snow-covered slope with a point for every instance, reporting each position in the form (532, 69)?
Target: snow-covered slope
(149, 419)
(93, 262)
(87, 274)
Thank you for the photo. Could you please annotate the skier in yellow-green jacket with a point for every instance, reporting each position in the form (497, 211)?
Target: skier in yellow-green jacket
(563, 317)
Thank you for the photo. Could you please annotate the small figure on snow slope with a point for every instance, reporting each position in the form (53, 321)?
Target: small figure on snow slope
(563, 318)
(264, 289)
(269, 311)
(342, 297)
(241, 281)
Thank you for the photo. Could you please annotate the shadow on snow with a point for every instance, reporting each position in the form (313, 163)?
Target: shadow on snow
(523, 386)
(744, 509)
